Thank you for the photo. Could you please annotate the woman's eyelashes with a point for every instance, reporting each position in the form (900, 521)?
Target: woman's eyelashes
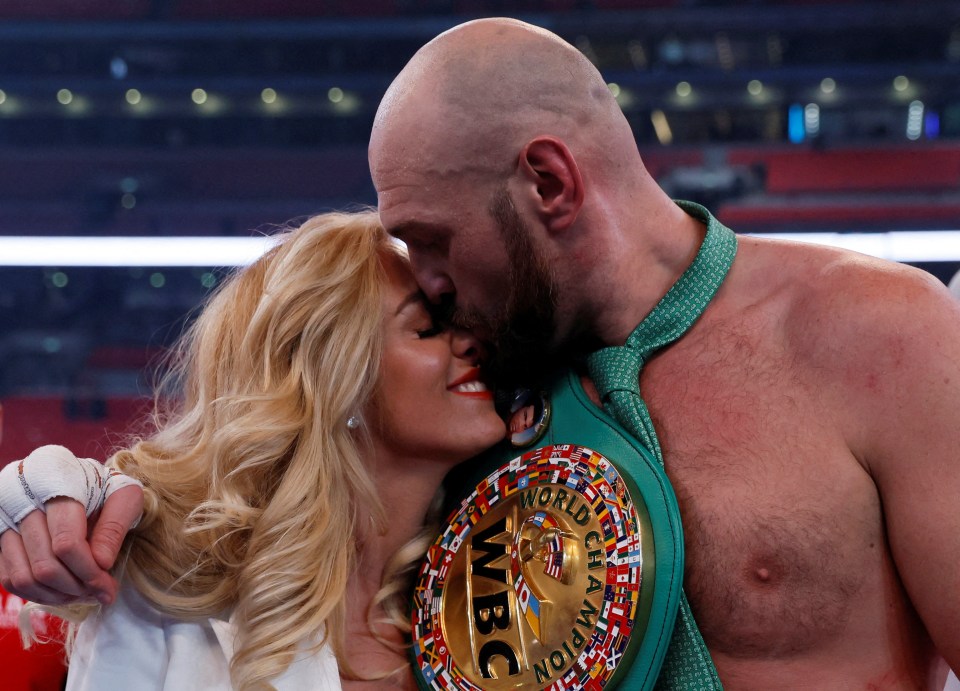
(428, 325)
(433, 330)
(438, 316)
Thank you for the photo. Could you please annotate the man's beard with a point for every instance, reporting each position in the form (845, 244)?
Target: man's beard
(522, 333)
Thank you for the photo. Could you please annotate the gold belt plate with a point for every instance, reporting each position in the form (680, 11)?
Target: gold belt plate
(535, 580)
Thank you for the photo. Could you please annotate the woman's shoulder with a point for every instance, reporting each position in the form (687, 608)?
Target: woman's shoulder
(131, 644)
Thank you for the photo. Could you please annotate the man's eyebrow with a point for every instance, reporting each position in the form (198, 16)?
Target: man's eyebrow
(401, 229)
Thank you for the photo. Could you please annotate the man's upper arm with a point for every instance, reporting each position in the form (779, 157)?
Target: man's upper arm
(908, 393)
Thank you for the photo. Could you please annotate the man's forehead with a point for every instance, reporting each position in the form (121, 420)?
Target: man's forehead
(408, 196)
(400, 168)
(413, 217)
(421, 183)
(400, 131)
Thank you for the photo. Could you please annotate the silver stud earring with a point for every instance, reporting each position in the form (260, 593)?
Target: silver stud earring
(353, 422)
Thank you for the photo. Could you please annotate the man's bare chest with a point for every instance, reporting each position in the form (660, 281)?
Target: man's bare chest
(782, 524)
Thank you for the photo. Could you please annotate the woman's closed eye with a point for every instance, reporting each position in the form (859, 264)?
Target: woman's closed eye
(428, 324)
(438, 316)
(435, 329)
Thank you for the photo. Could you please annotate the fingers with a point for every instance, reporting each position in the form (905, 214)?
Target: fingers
(16, 571)
(121, 511)
(67, 526)
(52, 563)
(45, 565)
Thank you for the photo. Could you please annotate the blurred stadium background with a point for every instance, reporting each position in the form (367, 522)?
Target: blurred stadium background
(223, 118)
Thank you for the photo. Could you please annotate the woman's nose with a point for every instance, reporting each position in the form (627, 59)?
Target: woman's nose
(466, 346)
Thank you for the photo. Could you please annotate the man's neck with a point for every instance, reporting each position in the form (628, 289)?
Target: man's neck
(643, 265)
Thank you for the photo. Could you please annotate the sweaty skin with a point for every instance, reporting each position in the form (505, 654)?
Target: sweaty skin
(808, 419)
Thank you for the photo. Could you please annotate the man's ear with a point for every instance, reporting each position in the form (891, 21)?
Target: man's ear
(549, 171)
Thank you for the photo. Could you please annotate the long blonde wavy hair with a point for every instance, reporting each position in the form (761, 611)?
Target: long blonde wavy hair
(255, 490)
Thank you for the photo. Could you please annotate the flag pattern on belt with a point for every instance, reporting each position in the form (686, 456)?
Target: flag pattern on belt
(601, 488)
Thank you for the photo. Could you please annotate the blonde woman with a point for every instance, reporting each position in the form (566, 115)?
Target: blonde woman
(321, 407)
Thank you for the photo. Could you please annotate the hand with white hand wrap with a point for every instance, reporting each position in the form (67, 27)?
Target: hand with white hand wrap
(52, 471)
(45, 501)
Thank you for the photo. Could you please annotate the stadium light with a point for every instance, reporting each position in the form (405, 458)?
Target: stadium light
(900, 245)
(131, 251)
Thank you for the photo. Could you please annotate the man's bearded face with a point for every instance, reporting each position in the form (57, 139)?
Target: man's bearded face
(522, 331)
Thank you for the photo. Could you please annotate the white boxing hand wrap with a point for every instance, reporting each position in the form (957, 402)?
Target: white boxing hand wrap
(49, 472)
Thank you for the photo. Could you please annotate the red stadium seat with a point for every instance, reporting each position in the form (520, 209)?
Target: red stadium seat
(847, 169)
(88, 427)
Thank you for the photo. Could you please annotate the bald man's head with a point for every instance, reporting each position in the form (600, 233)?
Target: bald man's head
(482, 89)
(498, 153)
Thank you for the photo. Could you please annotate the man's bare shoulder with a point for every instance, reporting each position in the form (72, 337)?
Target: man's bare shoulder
(868, 334)
(838, 305)
(875, 347)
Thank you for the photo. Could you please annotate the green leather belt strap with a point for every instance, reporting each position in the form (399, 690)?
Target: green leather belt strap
(575, 420)
(616, 373)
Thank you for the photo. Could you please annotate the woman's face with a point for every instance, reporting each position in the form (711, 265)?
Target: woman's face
(430, 402)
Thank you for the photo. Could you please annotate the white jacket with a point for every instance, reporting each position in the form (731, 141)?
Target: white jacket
(130, 646)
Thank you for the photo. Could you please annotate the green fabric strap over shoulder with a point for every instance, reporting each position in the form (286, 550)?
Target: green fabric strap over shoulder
(616, 373)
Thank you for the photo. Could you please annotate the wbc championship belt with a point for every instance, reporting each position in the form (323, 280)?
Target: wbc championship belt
(561, 564)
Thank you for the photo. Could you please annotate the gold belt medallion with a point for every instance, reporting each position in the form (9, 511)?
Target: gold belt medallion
(535, 580)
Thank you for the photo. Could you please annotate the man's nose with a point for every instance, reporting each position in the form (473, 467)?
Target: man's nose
(433, 282)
